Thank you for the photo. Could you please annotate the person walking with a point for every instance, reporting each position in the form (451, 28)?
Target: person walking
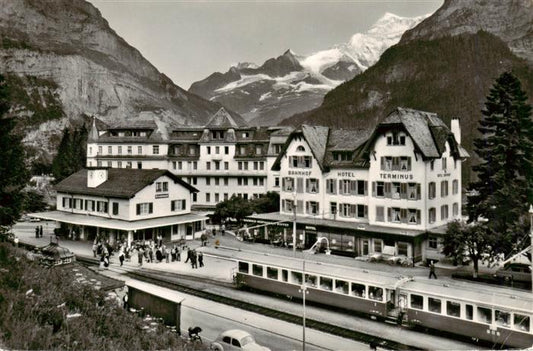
(201, 258)
(178, 253)
(432, 270)
(194, 263)
(121, 255)
(189, 254)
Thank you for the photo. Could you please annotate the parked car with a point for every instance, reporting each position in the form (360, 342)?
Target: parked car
(236, 339)
(515, 272)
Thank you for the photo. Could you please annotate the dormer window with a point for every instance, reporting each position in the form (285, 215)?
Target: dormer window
(396, 139)
(300, 148)
(245, 135)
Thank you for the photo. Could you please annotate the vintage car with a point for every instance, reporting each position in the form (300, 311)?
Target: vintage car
(236, 339)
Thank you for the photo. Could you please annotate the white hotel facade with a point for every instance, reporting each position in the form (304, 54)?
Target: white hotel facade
(392, 190)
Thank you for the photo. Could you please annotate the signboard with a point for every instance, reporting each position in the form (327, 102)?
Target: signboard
(394, 176)
(161, 196)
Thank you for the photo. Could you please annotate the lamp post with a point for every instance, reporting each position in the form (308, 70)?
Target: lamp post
(531, 238)
(294, 222)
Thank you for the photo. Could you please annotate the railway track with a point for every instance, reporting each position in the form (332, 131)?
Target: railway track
(185, 284)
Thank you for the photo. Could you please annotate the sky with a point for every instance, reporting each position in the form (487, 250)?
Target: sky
(189, 40)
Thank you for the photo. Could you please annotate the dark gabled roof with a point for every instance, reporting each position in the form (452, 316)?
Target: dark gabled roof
(317, 138)
(120, 183)
(428, 132)
(134, 123)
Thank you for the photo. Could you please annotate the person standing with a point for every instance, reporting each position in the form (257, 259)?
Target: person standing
(121, 255)
(178, 253)
(432, 270)
(194, 263)
(167, 253)
(201, 258)
(140, 255)
(37, 232)
(41, 231)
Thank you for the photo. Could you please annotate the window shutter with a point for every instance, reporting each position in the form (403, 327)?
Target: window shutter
(307, 186)
(138, 209)
(374, 188)
(283, 183)
(417, 216)
(403, 190)
(64, 202)
(382, 163)
(353, 210)
(307, 207)
(418, 192)
(403, 215)
(299, 185)
(334, 187)
(389, 214)
(353, 187)
(388, 189)
(409, 163)
(366, 211)
(172, 205)
(366, 188)
(151, 208)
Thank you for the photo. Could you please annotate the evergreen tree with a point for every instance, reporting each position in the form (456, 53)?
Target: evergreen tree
(505, 184)
(71, 154)
(13, 173)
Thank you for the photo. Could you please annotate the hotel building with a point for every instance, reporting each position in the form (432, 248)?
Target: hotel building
(391, 190)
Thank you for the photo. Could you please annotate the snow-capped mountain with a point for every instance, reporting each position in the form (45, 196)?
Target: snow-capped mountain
(294, 83)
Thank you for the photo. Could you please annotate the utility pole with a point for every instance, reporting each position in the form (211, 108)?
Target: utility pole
(294, 223)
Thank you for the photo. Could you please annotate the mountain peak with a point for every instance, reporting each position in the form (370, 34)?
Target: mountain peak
(289, 53)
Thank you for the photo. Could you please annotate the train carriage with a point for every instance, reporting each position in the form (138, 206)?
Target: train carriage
(487, 313)
(492, 314)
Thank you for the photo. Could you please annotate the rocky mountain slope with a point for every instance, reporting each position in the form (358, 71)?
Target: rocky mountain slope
(446, 65)
(291, 83)
(63, 62)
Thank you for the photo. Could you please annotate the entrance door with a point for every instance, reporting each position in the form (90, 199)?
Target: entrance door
(366, 245)
(310, 239)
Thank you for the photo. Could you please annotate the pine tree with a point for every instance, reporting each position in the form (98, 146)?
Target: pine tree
(12, 168)
(505, 179)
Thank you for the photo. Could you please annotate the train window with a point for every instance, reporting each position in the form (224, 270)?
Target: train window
(469, 311)
(375, 293)
(358, 290)
(434, 305)
(244, 267)
(326, 283)
(453, 309)
(272, 273)
(284, 275)
(311, 280)
(484, 315)
(503, 318)
(296, 277)
(417, 301)
(341, 286)
(521, 322)
(257, 270)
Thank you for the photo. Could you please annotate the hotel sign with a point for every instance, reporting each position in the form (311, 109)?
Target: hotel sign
(345, 174)
(300, 173)
(161, 196)
(394, 176)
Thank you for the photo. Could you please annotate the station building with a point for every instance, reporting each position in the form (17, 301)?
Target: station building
(126, 205)
(220, 159)
(391, 190)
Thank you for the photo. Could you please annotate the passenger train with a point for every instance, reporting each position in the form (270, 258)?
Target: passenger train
(491, 314)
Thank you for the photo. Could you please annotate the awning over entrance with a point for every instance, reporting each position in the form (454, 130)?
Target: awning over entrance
(117, 224)
(359, 227)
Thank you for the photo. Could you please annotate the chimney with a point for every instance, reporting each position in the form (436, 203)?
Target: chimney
(96, 176)
(456, 129)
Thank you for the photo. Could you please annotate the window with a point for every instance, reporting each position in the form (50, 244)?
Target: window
(217, 165)
(380, 189)
(360, 211)
(139, 165)
(312, 185)
(502, 318)
(110, 150)
(432, 242)
(444, 188)
(244, 267)
(226, 165)
(326, 283)
(257, 270)
(469, 312)
(100, 152)
(217, 180)
(453, 309)
(444, 163)
(432, 215)
(341, 286)
(130, 150)
(333, 209)
(444, 212)
(119, 150)
(161, 187)
(101, 206)
(209, 150)
(288, 205)
(207, 197)
(288, 184)
(417, 302)
(296, 277)
(256, 165)
(389, 163)
(226, 150)
(434, 305)
(311, 280)
(145, 208)
(312, 207)
(115, 208)
(178, 205)
(375, 293)
(226, 196)
(395, 215)
(455, 186)
(258, 149)
(217, 197)
(331, 186)
(521, 322)
(432, 190)
(413, 191)
(300, 162)
(276, 182)
(455, 209)
(402, 249)
(225, 181)
(208, 165)
(155, 149)
(207, 181)
(432, 165)
(396, 139)
(358, 290)
(484, 315)
(378, 244)
(272, 273)
(139, 150)
(217, 150)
